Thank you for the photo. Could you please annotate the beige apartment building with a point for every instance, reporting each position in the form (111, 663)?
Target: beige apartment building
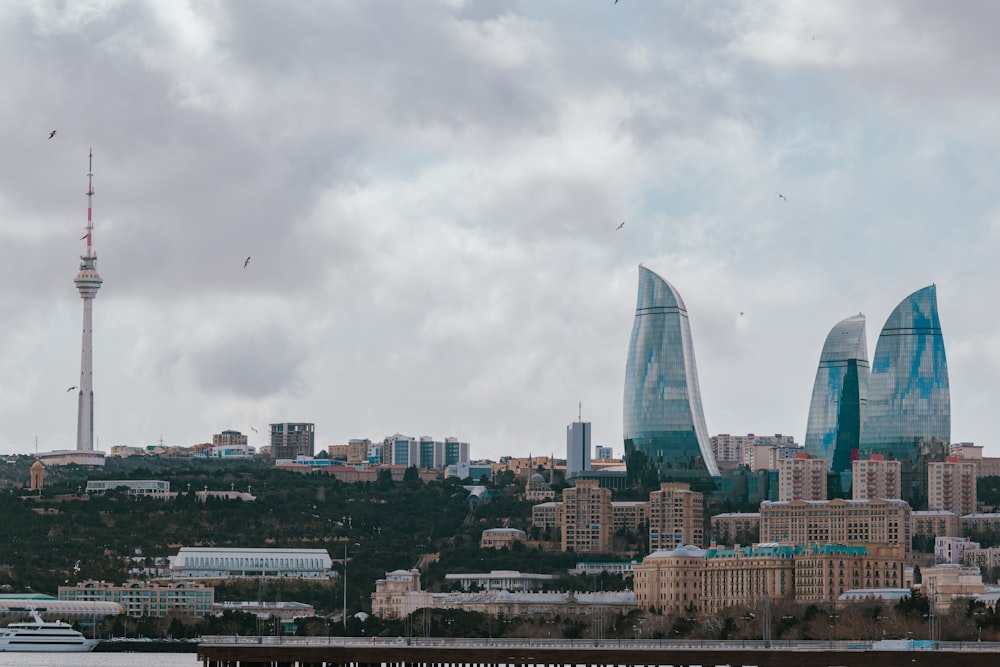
(951, 485)
(801, 477)
(735, 528)
(935, 524)
(824, 572)
(943, 584)
(693, 580)
(676, 517)
(629, 514)
(586, 525)
(547, 515)
(875, 477)
(979, 523)
(746, 576)
(837, 521)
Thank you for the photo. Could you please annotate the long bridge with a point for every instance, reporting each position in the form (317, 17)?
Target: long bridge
(229, 651)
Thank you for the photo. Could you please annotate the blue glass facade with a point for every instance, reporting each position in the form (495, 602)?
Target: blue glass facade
(840, 395)
(663, 415)
(909, 401)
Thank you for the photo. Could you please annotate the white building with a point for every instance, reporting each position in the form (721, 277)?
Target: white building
(501, 580)
(218, 563)
(152, 488)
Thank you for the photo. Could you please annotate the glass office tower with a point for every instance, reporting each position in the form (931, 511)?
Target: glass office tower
(840, 395)
(663, 416)
(909, 402)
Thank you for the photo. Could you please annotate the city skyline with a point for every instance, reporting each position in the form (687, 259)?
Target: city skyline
(432, 202)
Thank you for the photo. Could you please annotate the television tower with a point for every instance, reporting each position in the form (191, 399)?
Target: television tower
(88, 281)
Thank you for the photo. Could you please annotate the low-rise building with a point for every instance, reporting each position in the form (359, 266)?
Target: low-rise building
(399, 595)
(980, 523)
(952, 549)
(144, 598)
(936, 523)
(500, 580)
(501, 538)
(150, 488)
(693, 580)
(943, 584)
(220, 563)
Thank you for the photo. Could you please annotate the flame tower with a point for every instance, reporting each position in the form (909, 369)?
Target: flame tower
(88, 281)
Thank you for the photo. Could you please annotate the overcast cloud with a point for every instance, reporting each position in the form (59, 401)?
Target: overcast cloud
(429, 194)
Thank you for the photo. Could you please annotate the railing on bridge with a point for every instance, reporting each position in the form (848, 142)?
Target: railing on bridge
(635, 644)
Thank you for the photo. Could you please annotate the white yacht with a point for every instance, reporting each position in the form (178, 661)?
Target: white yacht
(44, 636)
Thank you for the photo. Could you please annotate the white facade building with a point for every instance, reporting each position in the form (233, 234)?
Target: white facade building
(217, 563)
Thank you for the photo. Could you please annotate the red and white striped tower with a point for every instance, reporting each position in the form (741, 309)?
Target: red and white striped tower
(88, 281)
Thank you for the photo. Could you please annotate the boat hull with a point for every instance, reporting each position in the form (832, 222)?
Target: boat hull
(81, 646)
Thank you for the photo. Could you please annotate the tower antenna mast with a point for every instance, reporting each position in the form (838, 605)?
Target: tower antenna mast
(87, 281)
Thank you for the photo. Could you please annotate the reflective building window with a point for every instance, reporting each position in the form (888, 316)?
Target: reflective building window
(663, 416)
(909, 403)
(840, 395)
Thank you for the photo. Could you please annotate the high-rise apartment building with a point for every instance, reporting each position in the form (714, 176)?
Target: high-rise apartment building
(802, 478)
(455, 451)
(951, 486)
(577, 448)
(663, 414)
(586, 518)
(840, 395)
(676, 517)
(603, 453)
(909, 403)
(431, 453)
(874, 477)
(291, 439)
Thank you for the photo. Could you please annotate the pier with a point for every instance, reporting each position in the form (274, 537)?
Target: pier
(441, 652)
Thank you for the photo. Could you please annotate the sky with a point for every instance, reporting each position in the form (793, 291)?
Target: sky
(430, 194)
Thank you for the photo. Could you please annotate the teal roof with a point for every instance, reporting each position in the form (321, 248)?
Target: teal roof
(26, 596)
(757, 551)
(837, 550)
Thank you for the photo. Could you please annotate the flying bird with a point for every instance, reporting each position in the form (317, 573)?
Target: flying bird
(247, 261)
(52, 134)
(741, 313)
(70, 389)
(84, 236)
(783, 196)
(620, 226)
(253, 429)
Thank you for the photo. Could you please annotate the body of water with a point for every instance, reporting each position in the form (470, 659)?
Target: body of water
(11, 659)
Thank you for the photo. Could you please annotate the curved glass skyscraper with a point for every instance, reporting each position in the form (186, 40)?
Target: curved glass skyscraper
(663, 416)
(909, 402)
(840, 395)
